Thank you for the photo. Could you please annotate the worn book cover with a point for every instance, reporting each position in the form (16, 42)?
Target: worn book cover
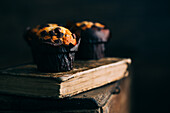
(27, 81)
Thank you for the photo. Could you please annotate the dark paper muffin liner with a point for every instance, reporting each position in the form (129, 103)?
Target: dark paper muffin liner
(89, 51)
(92, 45)
(51, 57)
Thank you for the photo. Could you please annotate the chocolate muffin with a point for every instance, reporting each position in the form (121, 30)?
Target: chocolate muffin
(93, 35)
(53, 48)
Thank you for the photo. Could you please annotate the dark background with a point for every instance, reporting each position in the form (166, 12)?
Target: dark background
(140, 30)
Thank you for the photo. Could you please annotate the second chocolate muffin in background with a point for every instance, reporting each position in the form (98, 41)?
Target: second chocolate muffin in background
(93, 35)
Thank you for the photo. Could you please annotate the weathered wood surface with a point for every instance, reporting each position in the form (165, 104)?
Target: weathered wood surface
(99, 100)
(119, 103)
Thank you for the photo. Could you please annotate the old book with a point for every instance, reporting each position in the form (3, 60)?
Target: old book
(98, 100)
(27, 81)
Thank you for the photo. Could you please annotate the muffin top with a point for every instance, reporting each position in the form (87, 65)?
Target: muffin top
(38, 27)
(56, 34)
(88, 24)
(91, 32)
(30, 34)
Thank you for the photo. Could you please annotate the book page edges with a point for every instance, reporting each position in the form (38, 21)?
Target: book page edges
(123, 61)
(90, 80)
